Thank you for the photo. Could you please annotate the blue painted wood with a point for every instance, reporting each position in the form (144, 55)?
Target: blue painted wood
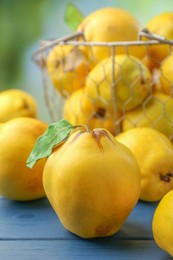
(78, 249)
(37, 219)
(32, 230)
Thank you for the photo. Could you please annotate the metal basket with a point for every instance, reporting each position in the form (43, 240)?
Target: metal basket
(99, 115)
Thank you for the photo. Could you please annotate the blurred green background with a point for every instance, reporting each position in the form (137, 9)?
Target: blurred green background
(24, 23)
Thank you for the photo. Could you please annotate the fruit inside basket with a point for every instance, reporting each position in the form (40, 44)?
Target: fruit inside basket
(110, 73)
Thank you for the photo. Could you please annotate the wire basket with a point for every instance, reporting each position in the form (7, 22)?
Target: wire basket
(103, 84)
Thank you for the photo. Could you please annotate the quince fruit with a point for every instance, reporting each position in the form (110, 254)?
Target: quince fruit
(67, 67)
(79, 109)
(161, 24)
(155, 112)
(91, 180)
(123, 82)
(154, 154)
(166, 76)
(111, 25)
(17, 138)
(16, 103)
(162, 223)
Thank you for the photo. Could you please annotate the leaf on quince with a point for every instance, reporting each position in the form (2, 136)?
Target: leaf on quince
(56, 134)
(73, 16)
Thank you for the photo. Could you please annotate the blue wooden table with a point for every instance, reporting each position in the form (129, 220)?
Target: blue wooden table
(32, 231)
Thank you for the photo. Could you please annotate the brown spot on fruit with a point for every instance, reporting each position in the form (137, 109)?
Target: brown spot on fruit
(167, 177)
(100, 113)
(25, 104)
(102, 231)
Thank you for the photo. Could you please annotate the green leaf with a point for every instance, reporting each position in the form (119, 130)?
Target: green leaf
(73, 17)
(54, 135)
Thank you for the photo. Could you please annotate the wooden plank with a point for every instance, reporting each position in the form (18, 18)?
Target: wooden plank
(37, 220)
(31, 230)
(102, 249)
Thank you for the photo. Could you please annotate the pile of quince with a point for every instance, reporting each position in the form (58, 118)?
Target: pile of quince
(92, 176)
(117, 87)
(19, 130)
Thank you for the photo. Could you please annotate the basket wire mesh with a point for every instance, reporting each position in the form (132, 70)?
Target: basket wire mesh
(154, 112)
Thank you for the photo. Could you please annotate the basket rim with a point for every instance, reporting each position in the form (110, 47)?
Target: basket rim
(153, 39)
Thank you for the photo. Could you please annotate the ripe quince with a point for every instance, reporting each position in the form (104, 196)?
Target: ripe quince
(16, 103)
(111, 24)
(162, 223)
(91, 180)
(166, 76)
(123, 82)
(161, 24)
(67, 68)
(79, 109)
(17, 138)
(155, 112)
(154, 154)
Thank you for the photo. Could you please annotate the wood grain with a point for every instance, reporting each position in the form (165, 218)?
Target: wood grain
(32, 230)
